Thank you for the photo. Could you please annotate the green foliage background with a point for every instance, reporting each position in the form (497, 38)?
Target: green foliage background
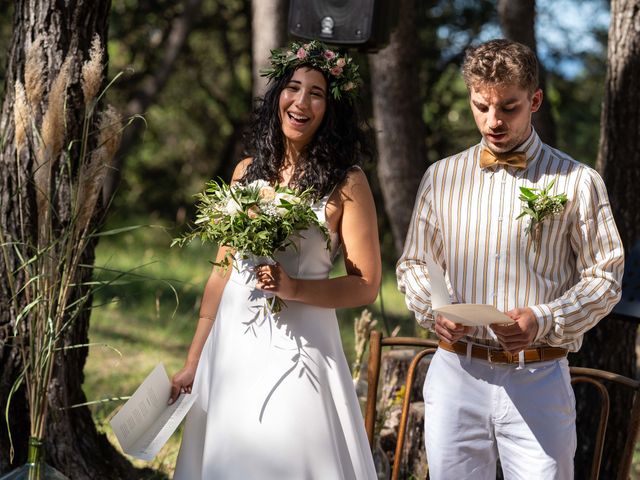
(193, 128)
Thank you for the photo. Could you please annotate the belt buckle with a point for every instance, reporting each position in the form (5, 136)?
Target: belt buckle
(494, 352)
(509, 357)
(490, 354)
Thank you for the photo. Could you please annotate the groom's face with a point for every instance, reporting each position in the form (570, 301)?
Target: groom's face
(503, 114)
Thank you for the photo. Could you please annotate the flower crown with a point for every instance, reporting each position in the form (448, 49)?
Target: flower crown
(342, 72)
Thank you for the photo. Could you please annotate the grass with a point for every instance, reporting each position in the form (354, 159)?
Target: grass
(148, 315)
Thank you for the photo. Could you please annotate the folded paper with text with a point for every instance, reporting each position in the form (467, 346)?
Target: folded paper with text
(145, 423)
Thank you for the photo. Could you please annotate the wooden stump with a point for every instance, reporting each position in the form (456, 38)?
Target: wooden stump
(393, 376)
(414, 457)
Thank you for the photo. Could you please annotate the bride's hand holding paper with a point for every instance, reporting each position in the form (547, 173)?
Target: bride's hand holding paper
(182, 382)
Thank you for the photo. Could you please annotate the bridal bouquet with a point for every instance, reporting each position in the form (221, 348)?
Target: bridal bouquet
(256, 219)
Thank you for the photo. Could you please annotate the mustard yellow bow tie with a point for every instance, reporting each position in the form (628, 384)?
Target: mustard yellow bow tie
(512, 159)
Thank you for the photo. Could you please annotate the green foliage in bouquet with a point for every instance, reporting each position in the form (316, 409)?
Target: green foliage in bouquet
(255, 219)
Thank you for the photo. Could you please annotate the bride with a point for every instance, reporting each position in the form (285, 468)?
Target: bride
(275, 395)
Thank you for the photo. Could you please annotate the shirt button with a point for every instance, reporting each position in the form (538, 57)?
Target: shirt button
(499, 219)
(497, 256)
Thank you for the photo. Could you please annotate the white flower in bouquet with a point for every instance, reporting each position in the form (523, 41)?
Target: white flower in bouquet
(257, 184)
(232, 207)
(282, 199)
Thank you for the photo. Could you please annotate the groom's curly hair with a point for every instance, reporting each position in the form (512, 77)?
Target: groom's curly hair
(340, 142)
(501, 62)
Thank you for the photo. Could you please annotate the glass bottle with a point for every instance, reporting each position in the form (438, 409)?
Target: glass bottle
(35, 468)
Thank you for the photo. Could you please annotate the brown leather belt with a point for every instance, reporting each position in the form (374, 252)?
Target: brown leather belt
(494, 355)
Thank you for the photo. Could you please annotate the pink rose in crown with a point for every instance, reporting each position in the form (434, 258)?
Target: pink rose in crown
(341, 62)
(301, 54)
(336, 71)
(329, 54)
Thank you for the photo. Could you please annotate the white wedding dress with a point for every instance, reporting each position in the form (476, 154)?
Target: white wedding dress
(276, 399)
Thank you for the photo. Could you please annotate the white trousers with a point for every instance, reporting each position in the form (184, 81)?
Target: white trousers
(476, 411)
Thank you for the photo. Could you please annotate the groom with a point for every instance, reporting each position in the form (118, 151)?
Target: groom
(504, 391)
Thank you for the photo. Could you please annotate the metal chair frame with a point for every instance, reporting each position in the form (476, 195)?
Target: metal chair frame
(578, 375)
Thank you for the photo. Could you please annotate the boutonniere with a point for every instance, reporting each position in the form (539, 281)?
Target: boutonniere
(538, 205)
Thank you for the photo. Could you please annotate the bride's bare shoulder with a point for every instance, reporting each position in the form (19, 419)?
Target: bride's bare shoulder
(354, 184)
(241, 168)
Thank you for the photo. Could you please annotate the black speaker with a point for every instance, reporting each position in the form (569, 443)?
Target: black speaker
(361, 23)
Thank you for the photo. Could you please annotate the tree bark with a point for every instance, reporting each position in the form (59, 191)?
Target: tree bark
(268, 31)
(72, 443)
(517, 19)
(619, 153)
(400, 130)
(611, 344)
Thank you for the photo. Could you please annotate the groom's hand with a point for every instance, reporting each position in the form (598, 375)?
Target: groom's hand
(449, 331)
(517, 336)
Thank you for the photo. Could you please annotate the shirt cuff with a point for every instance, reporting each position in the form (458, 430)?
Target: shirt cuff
(544, 317)
(426, 320)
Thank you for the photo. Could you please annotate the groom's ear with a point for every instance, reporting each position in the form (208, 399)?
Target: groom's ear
(536, 100)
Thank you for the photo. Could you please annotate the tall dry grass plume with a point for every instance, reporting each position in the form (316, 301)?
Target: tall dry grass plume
(363, 325)
(48, 150)
(110, 135)
(34, 73)
(53, 121)
(20, 117)
(91, 79)
(53, 295)
(92, 172)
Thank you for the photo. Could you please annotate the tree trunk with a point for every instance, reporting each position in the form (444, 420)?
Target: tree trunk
(268, 31)
(517, 19)
(611, 344)
(72, 443)
(619, 154)
(400, 131)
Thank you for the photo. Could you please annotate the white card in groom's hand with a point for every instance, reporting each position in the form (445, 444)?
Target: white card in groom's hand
(145, 423)
(473, 314)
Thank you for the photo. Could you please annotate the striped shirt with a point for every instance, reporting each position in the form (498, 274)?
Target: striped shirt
(465, 218)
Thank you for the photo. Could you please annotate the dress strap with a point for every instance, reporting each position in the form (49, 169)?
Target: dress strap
(333, 189)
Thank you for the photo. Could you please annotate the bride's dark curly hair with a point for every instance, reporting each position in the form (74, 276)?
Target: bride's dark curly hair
(340, 142)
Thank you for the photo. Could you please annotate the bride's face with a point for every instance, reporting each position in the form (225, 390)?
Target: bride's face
(303, 102)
